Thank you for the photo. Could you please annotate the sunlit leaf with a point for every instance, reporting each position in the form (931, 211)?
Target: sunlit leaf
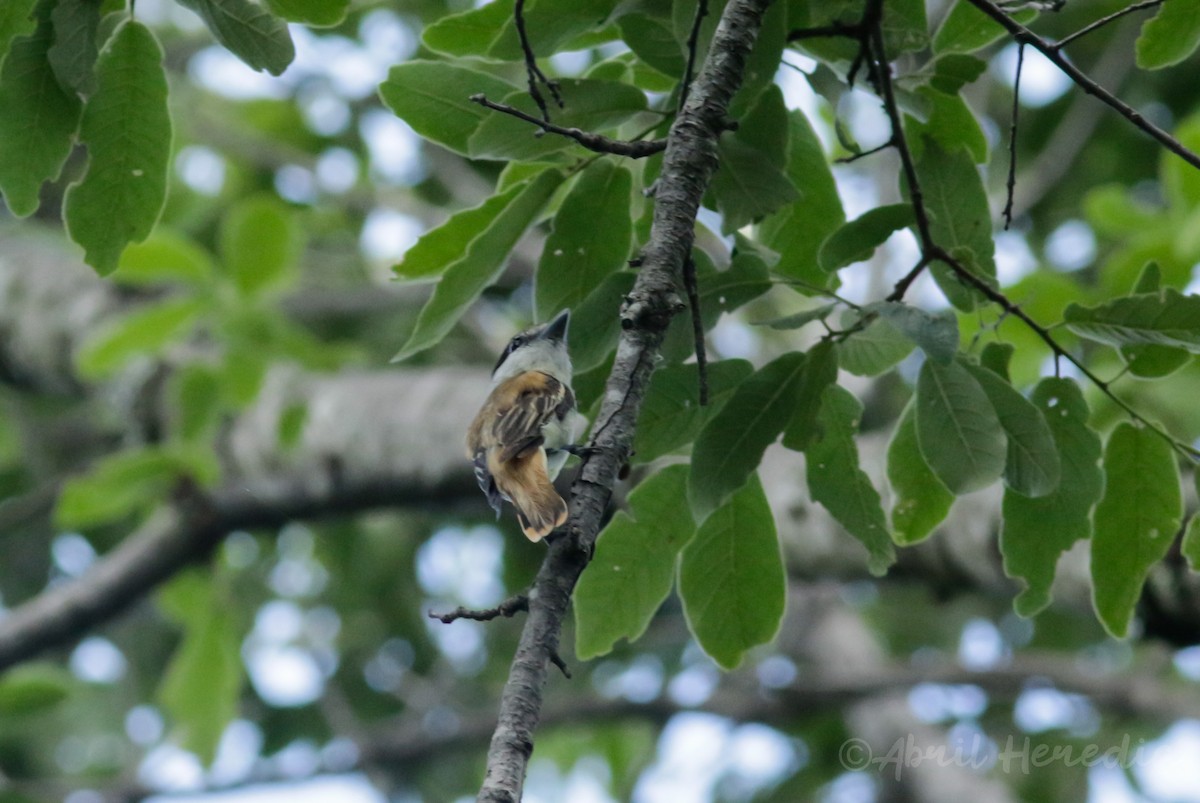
(1170, 36)
(260, 241)
(33, 688)
(967, 29)
(317, 13)
(146, 331)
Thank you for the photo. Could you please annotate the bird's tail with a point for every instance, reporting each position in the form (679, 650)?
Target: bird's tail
(525, 482)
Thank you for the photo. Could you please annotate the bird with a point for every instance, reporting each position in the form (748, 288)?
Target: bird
(527, 426)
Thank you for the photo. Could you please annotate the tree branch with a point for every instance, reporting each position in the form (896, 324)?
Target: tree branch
(636, 149)
(688, 164)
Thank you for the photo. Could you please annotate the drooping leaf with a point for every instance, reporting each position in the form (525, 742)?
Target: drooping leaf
(38, 119)
(820, 371)
(248, 31)
(16, 19)
(470, 32)
(73, 54)
(797, 231)
(858, 239)
(204, 679)
(147, 331)
(439, 248)
(1170, 36)
(873, 350)
(671, 414)
(434, 98)
(935, 333)
(950, 122)
(464, 280)
(316, 13)
(731, 577)
(921, 499)
(1035, 532)
(1166, 318)
(952, 71)
(634, 566)
(260, 242)
(731, 445)
(33, 688)
(836, 481)
(596, 323)
(1032, 466)
(589, 241)
(967, 29)
(957, 428)
(1135, 521)
(127, 129)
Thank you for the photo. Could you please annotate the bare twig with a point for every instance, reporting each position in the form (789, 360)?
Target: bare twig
(517, 603)
(1046, 48)
(845, 160)
(836, 29)
(693, 293)
(692, 43)
(1100, 23)
(1011, 184)
(532, 71)
(636, 149)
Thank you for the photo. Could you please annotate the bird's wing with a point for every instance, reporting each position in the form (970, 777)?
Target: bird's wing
(527, 402)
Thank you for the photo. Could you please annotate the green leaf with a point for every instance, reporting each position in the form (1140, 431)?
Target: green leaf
(291, 424)
(950, 123)
(163, 257)
(1032, 466)
(858, 239)
(438, 248)
(1135, 522)
(316, 13)
(731, 577)
(37, 118)
(257, 37)
(653, 41)
(125, 482)
(921, 499)
(750, 182)
(935, 333)
(433, 98)
(953, 71)
(146, 331)
(799, 319)
(481, 264)
(671, 414)
(1166, 318)
(904, 26)
(724, 291)
(634, 566)
(763, 61)
(820, 371)
(590, 239)
(996, 357)
(127, 129)
(33, 688)
(1035, 532)
(260, 242)
(196, 390)
(596, 324)
(732, 443)
(957, 429)
(797, 231)
(873, 350)
(204, 679)
(468, 33)
(1151, 360)
(550, 25)
(1170, 36)
(16, 19)
(967, 29)
(960, 220)
(836, 481)
(73, 54)
(588, 105)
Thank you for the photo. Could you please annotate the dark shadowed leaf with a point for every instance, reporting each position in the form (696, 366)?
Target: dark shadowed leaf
(921, 500)
(858, 239)
(957, 428)
(249, 31)
(1032, 466)
(671, 414)
(1166, 318)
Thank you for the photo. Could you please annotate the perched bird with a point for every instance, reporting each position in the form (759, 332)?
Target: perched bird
(522, 435)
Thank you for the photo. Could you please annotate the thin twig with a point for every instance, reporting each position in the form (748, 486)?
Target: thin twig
(692, 42)
(517, 603)
(845, 160)
(836, 29)
(1023, 34)
(693, 294)
(634, 149)
(1012, 138)
(557, 660)
(532, 71)
(1100, 23)
(902, 286)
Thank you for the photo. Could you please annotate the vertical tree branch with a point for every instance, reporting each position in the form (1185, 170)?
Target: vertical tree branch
(688, 164)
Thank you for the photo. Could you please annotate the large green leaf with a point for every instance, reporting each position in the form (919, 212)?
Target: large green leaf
(950, 122)
(148, 330)
(957, 428)
(967, 29)
(550, 24)
(590, 239)
(653, 41)
(165, 256)
(1170, 36)
(1166, 318)
(873, 350)
(1151, 360)
(16, 19)
(482, 263)
(836, 481)
(935, 333)
(731, 577)
(731, 445)
(33, 688)
(671, 414)
(249, 31)
(797, 231)
(317, 13)
(921, 499)
(1135, 522)
(588, 105)
(1032, 466)
(260, 241)
(820, 371)
(858, 239)
(470, 32)
(38, 118)
(127, 129)
(596, 322)
(634, 565)
(73, 55)
(904, 26)
(203, 681)
(1035, 532)
(434, 98)
(439, 248)
(720, 291)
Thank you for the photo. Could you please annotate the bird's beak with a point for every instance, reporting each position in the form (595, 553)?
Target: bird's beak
(557, 328)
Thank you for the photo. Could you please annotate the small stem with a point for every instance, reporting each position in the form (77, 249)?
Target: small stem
(1012, 138)
(1116, 15)
(637, 149)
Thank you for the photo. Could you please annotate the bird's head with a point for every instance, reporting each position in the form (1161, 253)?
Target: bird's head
(539, 348)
